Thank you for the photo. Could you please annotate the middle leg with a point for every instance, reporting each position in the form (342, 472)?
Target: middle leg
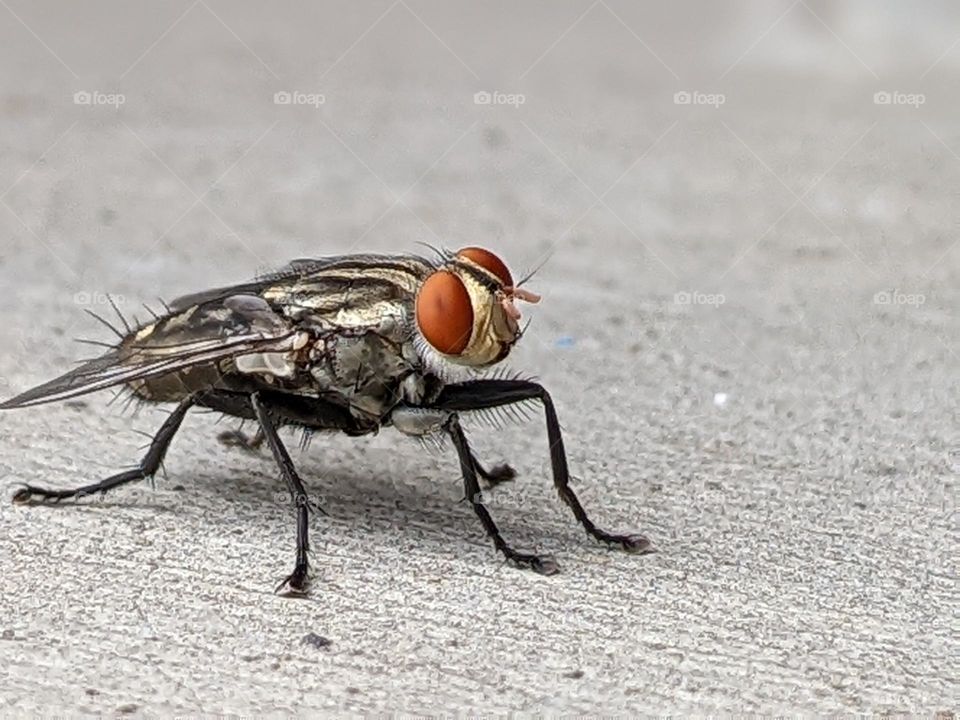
(298, 581)
(422, 422)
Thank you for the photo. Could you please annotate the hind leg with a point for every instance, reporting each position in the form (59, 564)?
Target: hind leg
(32, 494)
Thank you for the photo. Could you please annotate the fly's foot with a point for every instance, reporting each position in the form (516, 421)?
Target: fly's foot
(498, 474)
(236, 438)
(540, 565)
(24, 496)
(33, 495)
(633, 544)
(636, 544)
(296, 584)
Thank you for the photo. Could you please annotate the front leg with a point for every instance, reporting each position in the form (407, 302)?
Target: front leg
(482, 394)
(544, 566)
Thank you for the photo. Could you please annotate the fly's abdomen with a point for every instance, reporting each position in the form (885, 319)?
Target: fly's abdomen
(176, 386)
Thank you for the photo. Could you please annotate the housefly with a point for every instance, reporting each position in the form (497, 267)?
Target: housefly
(351, 343)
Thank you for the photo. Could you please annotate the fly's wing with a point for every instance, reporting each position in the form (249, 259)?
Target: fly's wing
(322, 276)
(225, 326)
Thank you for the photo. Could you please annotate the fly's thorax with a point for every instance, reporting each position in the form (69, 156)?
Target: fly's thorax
(365, 368)
(465, 310)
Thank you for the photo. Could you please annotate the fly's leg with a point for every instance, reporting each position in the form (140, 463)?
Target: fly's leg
(298, 581)
(542, 565)
(31, 494)
(238, 438)
(481, 394)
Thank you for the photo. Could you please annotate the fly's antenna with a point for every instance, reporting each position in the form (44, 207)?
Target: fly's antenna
(94, 315)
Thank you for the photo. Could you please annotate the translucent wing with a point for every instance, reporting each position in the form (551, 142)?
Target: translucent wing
(217, 327)
(294, 270)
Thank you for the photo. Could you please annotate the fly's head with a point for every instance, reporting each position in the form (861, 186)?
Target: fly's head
(466, 309)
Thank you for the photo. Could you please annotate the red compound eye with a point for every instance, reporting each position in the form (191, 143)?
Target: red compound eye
(444, 313)
(488, 261)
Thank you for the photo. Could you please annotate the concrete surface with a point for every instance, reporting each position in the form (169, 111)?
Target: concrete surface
(729, 379)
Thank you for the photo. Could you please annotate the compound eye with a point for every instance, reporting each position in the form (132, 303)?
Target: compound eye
(489, 262)
(444, 313)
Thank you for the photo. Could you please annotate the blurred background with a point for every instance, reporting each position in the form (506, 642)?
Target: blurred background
(746, 216)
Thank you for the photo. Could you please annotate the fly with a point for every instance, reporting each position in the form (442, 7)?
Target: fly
(351, 343)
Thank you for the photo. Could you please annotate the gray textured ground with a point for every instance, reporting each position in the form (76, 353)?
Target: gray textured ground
(806, 525)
